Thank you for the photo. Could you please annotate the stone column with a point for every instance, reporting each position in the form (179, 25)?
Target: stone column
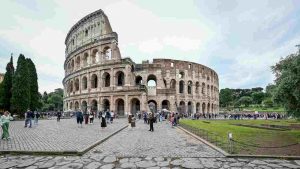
(112, 103)
(127, 104)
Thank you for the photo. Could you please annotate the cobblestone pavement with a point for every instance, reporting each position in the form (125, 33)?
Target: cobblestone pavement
(164, 141)
(50, 135)
(154, 152)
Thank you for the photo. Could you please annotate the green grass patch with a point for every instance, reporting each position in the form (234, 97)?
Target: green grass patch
(250, 135)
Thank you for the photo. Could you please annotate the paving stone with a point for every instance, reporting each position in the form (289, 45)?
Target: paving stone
(177, 162)
(123, 160)
(258, 162)
(128, 165)
(145, 164)
(163, 163)
(135, 160)
(72, 166)
(153, 168)
(32, 167)
(108, 166)
(159, 159)
(93, 165)
(192, 164)
(110, 159)
(48, 164)
(8, 164)
(237, 164)
(264, 167)
(288, 165)
(210, 163)
(26, 163)
(63, 163)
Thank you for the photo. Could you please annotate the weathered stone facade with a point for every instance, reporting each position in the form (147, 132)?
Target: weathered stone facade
(98, 78)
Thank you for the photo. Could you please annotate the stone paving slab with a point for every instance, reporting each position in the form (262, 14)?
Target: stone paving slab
(165, 141)
(53, 136)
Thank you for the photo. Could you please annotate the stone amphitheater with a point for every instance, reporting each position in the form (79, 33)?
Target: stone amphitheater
(97, 78)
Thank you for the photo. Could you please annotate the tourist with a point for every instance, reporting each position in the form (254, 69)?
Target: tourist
(145, 117)
(112, 114)
(107, 116)
(129, 119)
(132, 121)
(103, 122)
(91, 117)
(86, 117)
(58, 116)
(79, 118)
(151, 121)
(4, 123)
(36, 117)
(28, 118)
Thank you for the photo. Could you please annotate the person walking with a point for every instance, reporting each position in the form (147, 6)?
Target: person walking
(4, 123)
(91, 117)
(112, 114)
(58, 116)
(151, 121)
(107, 116)
(132, 121)
(36, 117)
(103, 122)
(28, 118)
(79, 118)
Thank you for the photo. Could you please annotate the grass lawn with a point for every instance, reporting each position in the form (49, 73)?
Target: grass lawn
(253, 136)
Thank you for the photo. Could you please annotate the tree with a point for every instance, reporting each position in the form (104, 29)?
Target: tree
(225, 97)
(257, 97)
(6, 86)
(257, 89)
(287, 91)
(21, 94)
(270, 90)
(33, 85)
(268, 102)
(56, 100)
(246, 100)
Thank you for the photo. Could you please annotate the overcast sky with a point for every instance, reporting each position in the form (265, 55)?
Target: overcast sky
(238, 39)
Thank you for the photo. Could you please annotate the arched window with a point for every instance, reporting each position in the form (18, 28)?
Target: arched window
(72, 65)
(71, 84)
(120, 78)
(78, 62)
(94, 56)
(181, 75)
(173, 84)
(190, 84)
(85, 59)
(208, 90)
(197, 87)
(138, 80)
(94, 81)
(84, 83)
(151, 80)
(107, 53)
(106, 79)
(77, 85)
(203, 88)
(181, 86)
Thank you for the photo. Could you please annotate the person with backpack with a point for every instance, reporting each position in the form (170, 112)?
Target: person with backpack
(28, 118)
(79, 118)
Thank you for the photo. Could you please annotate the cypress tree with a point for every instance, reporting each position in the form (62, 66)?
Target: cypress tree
(6, 86)
(33, 85)
(21, 93)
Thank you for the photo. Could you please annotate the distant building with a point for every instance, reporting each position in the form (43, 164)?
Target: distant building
(1, 77)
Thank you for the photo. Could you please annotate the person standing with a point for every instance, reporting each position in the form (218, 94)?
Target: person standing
(133, 121)
(151, 121)
(79, 118)
(36, 117)
(91, 117)
(107, 116)
(28, 118)
(4, 123)
(58, 116)
(103, 122)
(112, 114)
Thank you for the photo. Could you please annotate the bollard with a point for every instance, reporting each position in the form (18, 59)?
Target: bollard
(230, 142)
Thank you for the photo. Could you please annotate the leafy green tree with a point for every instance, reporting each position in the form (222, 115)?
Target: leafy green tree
(20, 89)
(245, 100)
(225, 97)
(56, 100)
(268, 102)
(6, 86)
(33, 85)
(257, 97)
(287, 92)
(270, 90)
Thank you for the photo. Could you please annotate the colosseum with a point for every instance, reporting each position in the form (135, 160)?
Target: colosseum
(97, 78)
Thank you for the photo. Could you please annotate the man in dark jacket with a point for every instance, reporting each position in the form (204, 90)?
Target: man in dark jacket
(151, 121)
(28, 118)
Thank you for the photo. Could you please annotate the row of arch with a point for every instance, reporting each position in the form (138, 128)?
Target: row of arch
(74, 85)
(82, 61)
(135, 106)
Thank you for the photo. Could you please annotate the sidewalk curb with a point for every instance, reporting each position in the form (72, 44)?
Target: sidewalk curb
(62, 153)
(236, 155)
